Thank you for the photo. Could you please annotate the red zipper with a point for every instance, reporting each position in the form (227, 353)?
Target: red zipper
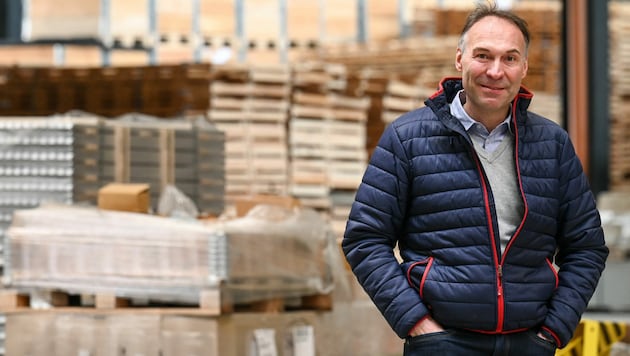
(495, 257)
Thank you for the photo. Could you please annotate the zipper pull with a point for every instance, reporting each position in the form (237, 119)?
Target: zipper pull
(500, 275)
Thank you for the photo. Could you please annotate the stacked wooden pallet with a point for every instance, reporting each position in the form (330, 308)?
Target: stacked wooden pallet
(619, 94)
(401, 97)
(327, 139)
(163, 91)
(371, 68)
(250, 104)
(435, 54)
(175, 90)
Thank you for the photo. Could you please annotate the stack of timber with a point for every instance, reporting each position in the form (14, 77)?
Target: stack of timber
(250, 104)
(619, 97)
(327, 140)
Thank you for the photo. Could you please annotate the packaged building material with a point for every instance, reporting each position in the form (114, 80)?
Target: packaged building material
(46, 159)
(87, 250)
(272, 252)
(275, 251)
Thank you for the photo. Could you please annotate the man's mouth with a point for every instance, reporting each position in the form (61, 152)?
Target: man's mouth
(492, 87)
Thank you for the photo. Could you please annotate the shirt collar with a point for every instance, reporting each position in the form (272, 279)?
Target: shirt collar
(457, 110)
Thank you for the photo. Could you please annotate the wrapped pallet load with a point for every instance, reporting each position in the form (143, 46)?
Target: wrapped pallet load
(277, 251)
(270, 252)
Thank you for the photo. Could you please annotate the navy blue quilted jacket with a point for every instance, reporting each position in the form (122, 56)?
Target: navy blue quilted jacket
(425, 190)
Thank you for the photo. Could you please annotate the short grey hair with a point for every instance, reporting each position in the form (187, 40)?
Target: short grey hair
(485, 9)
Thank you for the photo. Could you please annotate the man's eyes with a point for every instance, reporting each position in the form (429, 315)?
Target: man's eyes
(485, 56)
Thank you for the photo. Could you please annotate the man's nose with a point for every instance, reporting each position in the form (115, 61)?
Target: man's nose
(495, 69)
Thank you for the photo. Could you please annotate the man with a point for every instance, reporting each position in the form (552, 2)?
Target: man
(497, 229)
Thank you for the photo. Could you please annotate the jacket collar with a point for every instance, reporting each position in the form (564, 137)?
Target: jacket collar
(450, 86)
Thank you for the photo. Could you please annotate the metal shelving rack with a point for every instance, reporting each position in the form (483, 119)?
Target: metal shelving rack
(19, 33)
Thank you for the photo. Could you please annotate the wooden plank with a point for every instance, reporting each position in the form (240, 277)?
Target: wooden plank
(110, 301)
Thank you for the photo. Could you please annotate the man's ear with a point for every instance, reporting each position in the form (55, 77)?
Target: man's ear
(525, 67)
(458, 60)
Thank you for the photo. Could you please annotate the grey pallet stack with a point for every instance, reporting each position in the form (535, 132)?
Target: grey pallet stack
(185, 154)
(210, 148)
(47, 160)
(250, 104)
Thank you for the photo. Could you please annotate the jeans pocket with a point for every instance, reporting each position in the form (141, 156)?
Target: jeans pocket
(428, 337)
(548, 344)
(437, 343)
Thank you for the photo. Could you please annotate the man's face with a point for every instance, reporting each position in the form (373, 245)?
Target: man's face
(493, 62)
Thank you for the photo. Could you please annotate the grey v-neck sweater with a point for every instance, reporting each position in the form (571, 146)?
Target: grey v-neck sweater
(501, 171)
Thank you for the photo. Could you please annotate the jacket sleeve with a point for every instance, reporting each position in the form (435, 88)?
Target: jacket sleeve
(582, 252)
(375, 223)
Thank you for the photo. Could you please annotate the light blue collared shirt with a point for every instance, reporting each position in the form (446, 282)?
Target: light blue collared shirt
(488, 140)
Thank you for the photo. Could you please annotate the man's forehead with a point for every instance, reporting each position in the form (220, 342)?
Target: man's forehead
(494, 33)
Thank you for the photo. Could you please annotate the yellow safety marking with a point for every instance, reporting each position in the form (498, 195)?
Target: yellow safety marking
(594, 338)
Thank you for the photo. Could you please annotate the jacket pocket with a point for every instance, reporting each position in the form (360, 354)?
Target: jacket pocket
(554, 271)
(417, 274)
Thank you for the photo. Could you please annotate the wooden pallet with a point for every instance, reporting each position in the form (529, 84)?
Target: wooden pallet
(211, 302)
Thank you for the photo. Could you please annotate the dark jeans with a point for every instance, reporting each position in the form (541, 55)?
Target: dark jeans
(458, 342)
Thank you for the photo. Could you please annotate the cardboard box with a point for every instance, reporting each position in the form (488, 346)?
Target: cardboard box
(150, 332)
(133, 197)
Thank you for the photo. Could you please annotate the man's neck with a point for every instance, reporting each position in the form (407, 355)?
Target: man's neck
(489, 119)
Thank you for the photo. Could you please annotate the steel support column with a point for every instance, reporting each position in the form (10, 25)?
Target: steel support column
(599, 108)
(587, 107)
(362, 21)
(577, 78)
